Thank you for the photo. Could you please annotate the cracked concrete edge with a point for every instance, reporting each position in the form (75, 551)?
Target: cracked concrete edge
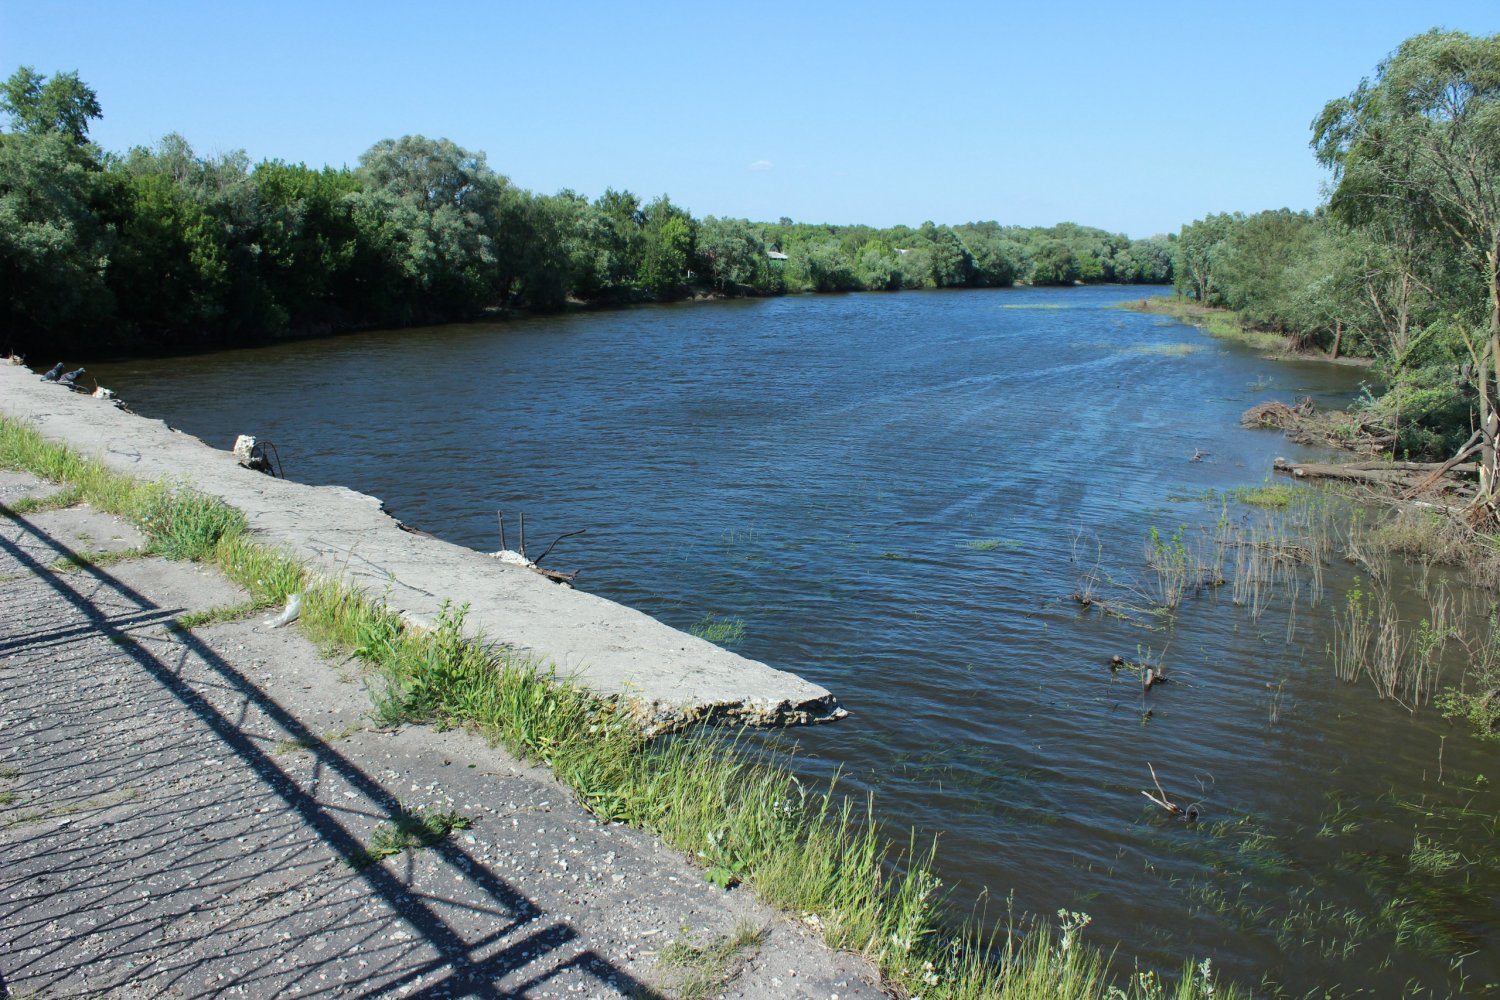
(669, 678)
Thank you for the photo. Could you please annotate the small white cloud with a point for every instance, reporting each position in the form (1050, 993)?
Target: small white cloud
(761, 165)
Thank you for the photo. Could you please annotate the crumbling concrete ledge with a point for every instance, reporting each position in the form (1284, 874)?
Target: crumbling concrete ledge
(669, 678)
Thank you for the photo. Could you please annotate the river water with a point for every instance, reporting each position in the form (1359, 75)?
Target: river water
(897, 496)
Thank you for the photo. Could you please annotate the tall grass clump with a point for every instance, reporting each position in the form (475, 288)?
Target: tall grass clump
(1401, 659)
(1477, 699)
(183, 523)
(1176, 571)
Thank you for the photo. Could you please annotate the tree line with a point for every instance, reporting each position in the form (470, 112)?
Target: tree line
(1402, 263)
(165, 249)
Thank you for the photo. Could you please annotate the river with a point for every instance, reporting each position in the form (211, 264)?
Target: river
(897, 496)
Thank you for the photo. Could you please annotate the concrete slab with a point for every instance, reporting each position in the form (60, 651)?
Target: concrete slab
(671, 678)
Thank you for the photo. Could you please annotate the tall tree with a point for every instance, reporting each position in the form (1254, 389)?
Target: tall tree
(1424, 138)
(63, 105)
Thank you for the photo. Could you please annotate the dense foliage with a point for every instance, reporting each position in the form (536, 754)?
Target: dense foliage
(1403, 263)
(163, 248)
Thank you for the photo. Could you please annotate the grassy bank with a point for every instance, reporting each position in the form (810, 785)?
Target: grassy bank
(1222, 324)
(812, 852)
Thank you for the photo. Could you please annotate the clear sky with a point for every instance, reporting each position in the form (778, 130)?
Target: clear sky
(1131, 117)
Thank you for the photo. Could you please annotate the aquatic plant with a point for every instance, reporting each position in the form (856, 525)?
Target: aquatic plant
(721, 631)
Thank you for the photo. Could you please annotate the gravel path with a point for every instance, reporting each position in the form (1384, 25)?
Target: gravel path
(178, 811)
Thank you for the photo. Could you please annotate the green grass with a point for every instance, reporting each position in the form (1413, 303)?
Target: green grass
(302, 744)
(409, 830)
(1275, 496)
(990, 544)
(7, 798)
(1221, 324)
(721, 631)
(1430, 858)
(744, 817)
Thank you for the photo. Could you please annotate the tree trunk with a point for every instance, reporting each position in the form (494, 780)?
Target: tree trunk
(1489, 378)
(1338, 335)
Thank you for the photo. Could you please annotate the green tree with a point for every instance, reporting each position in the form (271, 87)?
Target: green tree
(667, 246)
(1055, 264)
(1424, 138)
(1199, 250)
(732, 252)
(826, 267)
(63, 105)
(432, 211)
(54, 247)
(877, 270)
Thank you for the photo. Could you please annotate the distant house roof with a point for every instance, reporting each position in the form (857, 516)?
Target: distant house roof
(776, 255)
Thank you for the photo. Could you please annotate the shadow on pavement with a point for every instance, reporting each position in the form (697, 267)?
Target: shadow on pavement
(87, 604)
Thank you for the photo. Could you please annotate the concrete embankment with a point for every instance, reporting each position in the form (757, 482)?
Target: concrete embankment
(670, 677)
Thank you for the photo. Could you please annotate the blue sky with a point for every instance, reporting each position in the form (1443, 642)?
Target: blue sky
(1131, 117)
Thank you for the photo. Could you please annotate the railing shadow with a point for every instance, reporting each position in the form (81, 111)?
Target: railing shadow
(459, 965)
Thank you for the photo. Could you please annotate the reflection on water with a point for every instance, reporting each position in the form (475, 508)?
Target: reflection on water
(899, 497)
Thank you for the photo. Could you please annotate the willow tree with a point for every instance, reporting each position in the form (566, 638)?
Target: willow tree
(1421, 143)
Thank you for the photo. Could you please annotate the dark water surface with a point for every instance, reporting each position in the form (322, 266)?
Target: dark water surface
(898, 495)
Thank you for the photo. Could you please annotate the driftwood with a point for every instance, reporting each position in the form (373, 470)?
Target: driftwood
(1165, 802)
(1190, 813)
(1409, 477)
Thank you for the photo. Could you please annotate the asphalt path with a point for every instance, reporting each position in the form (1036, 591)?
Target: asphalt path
(182, 814)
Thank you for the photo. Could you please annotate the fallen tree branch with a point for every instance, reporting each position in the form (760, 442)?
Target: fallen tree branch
(1165, 802)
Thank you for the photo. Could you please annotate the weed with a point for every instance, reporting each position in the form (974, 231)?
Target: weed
(9, 773)
(1278, 496)
(714, 963)
(7, 797)
(214, 616)
(1175, 571)
(989, 544)
(408, 830)
(85, 560)
(270, 576)
(102, 801)
(1167, 350)
(1477, 700)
